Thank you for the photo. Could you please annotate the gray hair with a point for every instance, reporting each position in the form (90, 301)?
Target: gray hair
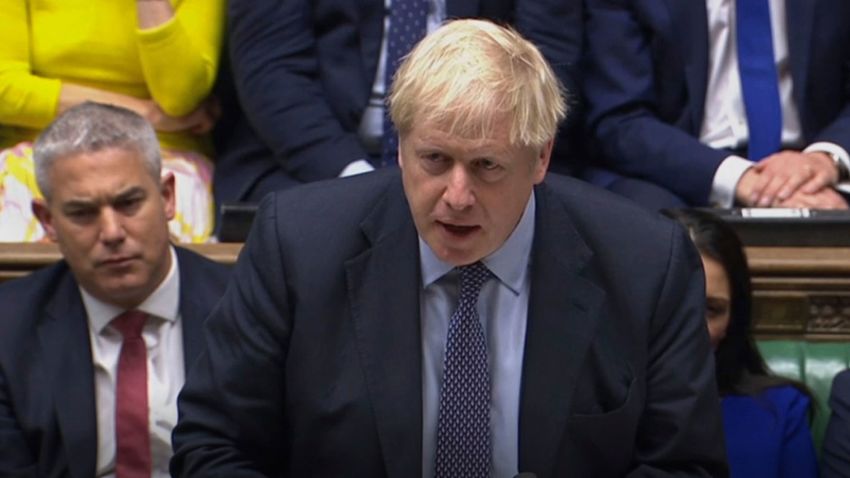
(91, 127)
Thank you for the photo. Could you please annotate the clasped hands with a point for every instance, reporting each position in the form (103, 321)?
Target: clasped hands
(200, 121)
(791, 179)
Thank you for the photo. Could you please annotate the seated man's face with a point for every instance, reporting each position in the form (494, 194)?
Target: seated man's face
(110, 218)
(467, 196)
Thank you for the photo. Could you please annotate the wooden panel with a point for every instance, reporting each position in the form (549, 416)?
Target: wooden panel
(17, 260)
(797, 290)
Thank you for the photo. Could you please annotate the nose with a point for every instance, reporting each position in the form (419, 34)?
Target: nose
(111, 227)
(459, 194)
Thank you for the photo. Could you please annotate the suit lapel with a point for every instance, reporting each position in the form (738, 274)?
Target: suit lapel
(563, 312)
(799, 16)
(689, 21)
(192, 310)
(383, 285)
(64, 338)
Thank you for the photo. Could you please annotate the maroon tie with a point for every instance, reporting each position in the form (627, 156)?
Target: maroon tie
(132, 438)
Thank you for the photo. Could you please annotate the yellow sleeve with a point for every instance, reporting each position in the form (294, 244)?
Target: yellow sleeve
(180, 57)
(25, 99)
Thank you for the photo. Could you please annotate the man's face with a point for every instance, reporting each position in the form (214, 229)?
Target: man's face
(109, 217)
(467, 196)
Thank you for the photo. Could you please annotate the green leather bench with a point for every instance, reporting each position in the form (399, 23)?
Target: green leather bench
(813, 363)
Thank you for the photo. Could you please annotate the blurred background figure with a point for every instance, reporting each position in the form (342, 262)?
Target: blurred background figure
(765, 416)
(158, 58)
(719, 103)
(312, 78)
(836, 442)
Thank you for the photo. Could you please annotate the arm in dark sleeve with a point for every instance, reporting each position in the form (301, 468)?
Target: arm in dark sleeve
(273, 54)
(623, 106)
(680, 432)
(231, 408)
(555, 26)
(15, 456)
(835, 453)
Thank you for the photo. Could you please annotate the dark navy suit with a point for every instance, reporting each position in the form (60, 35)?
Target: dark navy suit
(304, 71)
(48, 422)
(836, 440)
(646, 82)
(313, 364)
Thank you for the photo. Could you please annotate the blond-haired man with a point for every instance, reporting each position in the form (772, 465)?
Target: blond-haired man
(461, 318)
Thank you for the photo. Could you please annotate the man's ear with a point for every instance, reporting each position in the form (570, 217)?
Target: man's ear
(168, 195)
(542, 163)
(45, 217)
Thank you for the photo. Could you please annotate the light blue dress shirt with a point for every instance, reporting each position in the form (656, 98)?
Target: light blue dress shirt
(503, 309)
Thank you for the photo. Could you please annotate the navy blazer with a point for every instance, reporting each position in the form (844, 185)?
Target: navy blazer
(304, 71)
(647, 76)
(836, 441)
(314, 355)
(48, 425)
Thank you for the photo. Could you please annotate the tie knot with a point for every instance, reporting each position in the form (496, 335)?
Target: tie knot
(472, 277)
(130, 323)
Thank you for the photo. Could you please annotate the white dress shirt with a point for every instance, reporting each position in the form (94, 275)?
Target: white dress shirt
(503, 311)
(163, 336)
(724, 122)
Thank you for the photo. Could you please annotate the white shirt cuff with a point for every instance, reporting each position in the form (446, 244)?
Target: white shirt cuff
(726, 180)
(356, 167)
(841, 153)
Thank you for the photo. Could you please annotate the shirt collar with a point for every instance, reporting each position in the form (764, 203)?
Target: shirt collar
(164, 302)
(509, 263)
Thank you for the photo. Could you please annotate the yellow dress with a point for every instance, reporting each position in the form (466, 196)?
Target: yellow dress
(97, 43)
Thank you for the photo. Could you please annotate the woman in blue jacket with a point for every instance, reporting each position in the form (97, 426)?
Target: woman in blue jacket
(766, 417)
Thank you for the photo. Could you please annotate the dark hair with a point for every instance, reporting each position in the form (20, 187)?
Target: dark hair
(740, 368)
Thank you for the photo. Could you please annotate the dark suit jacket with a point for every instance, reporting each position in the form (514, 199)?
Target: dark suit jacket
(835, 451)
(48, 422)
(313, 362)
(304, 71)
(646, 82)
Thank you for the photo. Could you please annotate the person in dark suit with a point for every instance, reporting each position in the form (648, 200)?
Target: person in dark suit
(667, 104)
(835, 453)
(311, 81)
(461, 316)
(73, 401)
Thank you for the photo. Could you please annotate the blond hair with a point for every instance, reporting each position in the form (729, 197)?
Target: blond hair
(469, 74)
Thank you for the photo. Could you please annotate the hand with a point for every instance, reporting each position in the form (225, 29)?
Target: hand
(784, 173)
(200, 121)
(826, 198)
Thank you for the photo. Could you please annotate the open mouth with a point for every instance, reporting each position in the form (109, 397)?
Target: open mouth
(459, 230)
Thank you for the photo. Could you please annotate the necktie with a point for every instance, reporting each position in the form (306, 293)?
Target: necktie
(132, 435)
(407, 26)
(463, 426)
(759, 79)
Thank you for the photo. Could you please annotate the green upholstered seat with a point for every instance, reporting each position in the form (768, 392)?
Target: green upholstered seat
(813, 363)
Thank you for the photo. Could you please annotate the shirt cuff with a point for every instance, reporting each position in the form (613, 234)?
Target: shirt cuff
(356, 167)
(837, 151)
(726, 180)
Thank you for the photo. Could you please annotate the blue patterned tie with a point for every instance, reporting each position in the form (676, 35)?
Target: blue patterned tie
(759, 80)
(407, 26)
(463, 427)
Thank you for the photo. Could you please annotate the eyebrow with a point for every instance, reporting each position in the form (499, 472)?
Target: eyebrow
(129, 193)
